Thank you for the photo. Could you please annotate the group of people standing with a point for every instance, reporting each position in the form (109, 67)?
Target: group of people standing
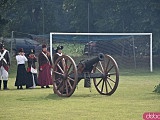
(30, 77)
(26, 77)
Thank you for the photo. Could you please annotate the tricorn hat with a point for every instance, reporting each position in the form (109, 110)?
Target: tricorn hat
(32, 51)
(59, 48)
(1, 45)
(44, 46)
(21, 50)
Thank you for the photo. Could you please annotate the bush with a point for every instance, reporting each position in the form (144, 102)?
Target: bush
(157, 89)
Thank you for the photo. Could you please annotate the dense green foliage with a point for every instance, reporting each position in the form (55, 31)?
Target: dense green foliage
(44, 16)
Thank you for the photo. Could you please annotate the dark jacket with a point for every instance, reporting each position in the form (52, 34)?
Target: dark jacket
(5, 61)
(43, 60)
(31, 61)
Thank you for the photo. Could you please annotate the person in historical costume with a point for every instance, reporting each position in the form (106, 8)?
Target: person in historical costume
(32, 70)
(4, 66)
(58, 53)
(45, 66)
(21, 77)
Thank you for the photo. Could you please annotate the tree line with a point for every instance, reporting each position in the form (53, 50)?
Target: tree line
(107, 16)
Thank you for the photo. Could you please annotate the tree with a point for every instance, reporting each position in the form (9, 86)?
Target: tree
(44, 16)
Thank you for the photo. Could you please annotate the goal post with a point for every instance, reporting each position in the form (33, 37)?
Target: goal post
(52, 34)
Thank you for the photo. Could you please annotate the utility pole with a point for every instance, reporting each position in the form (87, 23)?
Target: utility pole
(42, 1)
(11, 53)
(89, 49)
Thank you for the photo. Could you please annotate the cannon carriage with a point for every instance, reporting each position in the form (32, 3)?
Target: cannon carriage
(102, 69)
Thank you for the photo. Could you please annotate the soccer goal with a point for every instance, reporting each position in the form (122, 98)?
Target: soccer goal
(132, 51)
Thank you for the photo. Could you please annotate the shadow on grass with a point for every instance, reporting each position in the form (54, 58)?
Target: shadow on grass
(29, 95)
(54, 97)
(40, 98)
(91, 95)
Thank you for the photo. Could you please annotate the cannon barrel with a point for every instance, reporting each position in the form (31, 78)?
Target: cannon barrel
(87, 65)
(91, 62)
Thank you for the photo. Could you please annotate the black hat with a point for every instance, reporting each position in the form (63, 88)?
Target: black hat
(59, 48)
(32, 51)
(1, 45)
(21, 50)
(44, 46)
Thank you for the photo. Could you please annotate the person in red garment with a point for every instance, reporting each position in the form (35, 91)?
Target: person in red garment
(45, 66)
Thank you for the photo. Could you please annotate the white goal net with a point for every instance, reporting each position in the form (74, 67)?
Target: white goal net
(132, 51)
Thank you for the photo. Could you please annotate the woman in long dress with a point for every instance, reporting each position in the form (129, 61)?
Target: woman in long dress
(32, 75)
(21, 77)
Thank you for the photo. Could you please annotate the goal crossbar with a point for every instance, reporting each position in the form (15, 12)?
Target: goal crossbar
(116, 34)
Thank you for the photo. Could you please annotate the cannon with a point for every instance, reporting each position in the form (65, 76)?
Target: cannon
(102, 69)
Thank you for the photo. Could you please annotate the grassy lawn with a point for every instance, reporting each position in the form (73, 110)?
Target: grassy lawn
(132, 98)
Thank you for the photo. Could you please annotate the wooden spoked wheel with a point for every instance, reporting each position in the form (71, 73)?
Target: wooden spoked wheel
(64, 76)
(108, 84)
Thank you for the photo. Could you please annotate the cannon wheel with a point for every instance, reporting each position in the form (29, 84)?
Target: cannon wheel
(64, 76)
(109, 83)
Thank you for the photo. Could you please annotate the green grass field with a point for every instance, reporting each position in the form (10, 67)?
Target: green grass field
(132, 98)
